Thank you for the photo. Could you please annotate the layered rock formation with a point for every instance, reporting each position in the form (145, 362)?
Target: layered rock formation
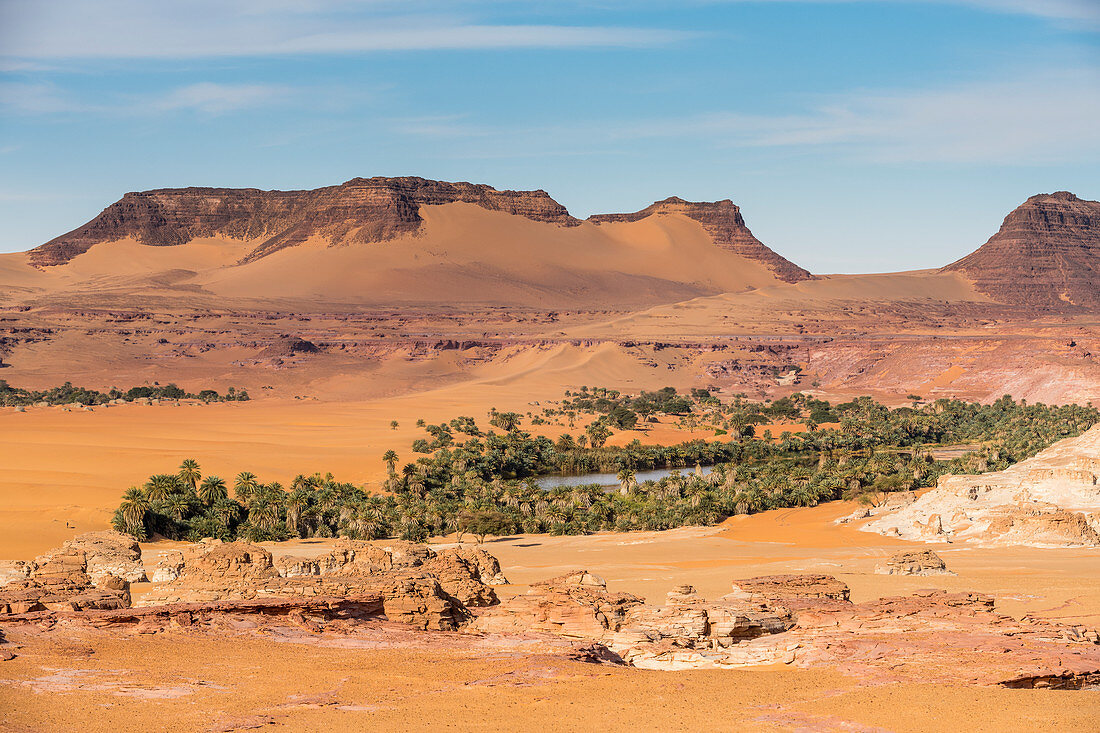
(1046, 255)
(723, 221)
(414, 584)
(91, 571)
(358, 211)
(1049, 500)
(914, 562)
(808, 621)
(805, 620)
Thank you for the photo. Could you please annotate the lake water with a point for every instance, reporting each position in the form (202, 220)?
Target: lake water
(611, 479)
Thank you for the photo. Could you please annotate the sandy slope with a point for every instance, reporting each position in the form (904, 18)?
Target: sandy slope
(832, 298)
(463, 254)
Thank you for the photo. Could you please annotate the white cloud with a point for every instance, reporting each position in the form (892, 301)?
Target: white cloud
(33, 99)
(1038, 118)
(214, 99)
(1068, 10)
(60, 29)
(204, 98)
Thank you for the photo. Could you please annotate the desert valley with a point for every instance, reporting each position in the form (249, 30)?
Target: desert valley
(847, 526)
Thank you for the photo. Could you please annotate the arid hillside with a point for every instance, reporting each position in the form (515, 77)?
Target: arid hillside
(402, 284)
(1046, 254)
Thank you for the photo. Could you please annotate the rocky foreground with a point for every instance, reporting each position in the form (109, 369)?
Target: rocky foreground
(387, 593)
(1049, 500)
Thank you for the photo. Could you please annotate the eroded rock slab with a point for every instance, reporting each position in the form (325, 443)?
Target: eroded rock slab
(914, 562)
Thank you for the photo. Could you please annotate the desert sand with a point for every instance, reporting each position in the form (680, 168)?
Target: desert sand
(480, 309)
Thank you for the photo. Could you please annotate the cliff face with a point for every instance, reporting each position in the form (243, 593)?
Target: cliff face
(723, 221)
(1046, 255)
(359, 211)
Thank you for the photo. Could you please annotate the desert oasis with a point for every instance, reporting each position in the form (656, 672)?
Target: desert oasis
(378, 396)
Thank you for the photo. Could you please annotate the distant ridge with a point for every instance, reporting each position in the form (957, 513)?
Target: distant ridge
(723, 221)
(1046, 255)
(362, 210)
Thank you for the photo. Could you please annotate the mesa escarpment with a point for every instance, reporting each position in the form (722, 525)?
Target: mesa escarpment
(362, 210)
(1046, 254)
(723, 221)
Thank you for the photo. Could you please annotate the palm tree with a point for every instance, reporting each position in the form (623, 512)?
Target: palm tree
(190, 474)
(263, 511)
(390, 457)
(245, 485)
(394, 425)
(212, 489)
(226, 511)
(627, 480)
(296, 503)
(178, 505)
(135, 504)
(158, 487)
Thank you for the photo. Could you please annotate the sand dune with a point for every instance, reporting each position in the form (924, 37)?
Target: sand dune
(463, 254)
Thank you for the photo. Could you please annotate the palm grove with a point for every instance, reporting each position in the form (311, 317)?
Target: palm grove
(483, 481)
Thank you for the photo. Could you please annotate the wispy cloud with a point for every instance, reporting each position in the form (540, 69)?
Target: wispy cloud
(1038, 118)
(204, 98)
(69, 29)
(214, 99)
(1064, 10)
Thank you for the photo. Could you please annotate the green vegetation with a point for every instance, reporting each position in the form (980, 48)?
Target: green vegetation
(68, 394)
(484, 482)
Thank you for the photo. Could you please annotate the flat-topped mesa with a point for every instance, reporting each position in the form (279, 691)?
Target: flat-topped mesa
(722, 220)
(1046, 255)
(362, 210)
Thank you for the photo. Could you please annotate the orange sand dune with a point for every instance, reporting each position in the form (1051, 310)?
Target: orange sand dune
(463, 254)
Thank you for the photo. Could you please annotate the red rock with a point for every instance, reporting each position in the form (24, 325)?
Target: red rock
(358, 211)
(1046, 255)
(723, 221)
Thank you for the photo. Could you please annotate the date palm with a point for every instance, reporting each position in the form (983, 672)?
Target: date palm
(178, 505)
(158, 487)
(135, 504)
(190, 473)
(226, 511)
(390, 457)
(212, 489)
(627, 480)
(245, 485)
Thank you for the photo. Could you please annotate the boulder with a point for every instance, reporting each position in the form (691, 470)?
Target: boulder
(168, 568)
(109, 553)
(783, 588)
(914, 562)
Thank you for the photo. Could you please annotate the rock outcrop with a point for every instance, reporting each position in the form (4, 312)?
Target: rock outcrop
(686, 632)
(90, 571)
(60, 581)
(915, 562)
(416, 585)
(807, 621)
(723, 221)
(1046, 255)
(1049, 500)
(787, 588)
(362, 210)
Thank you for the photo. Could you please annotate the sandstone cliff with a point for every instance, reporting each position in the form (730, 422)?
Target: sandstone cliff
(358, 211)
(1049, 500)
(723, 221)
(1046, 255)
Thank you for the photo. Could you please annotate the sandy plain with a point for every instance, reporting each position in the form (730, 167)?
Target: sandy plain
(64, 470)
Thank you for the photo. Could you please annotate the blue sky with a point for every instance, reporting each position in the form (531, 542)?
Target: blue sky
(859, 135)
